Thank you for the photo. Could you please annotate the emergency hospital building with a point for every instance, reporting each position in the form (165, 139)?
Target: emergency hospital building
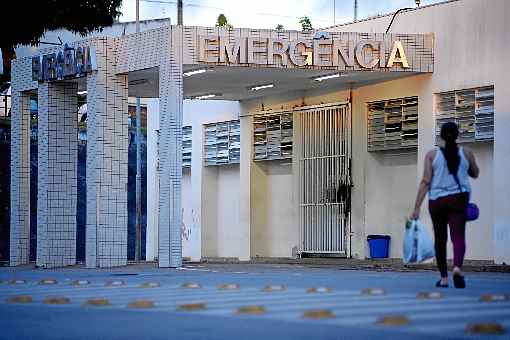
(265, 143)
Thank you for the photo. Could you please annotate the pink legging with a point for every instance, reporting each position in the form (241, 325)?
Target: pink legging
(444, 211)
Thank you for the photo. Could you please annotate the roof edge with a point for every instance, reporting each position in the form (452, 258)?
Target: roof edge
(390, 14)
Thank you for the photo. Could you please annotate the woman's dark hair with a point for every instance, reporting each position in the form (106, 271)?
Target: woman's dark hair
(449, 133)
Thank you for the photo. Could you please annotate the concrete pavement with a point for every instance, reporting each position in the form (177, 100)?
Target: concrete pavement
(205, 311)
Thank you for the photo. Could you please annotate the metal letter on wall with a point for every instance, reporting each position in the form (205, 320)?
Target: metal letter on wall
(299, 58)
(322, 52)
(257, 47)
(36, 68)
(60, 65)
(398, 48)
(233, 54)
(208, 46)
(360, 54)
(49, 66)
(339, 50)
(69, 67)
(281, 50)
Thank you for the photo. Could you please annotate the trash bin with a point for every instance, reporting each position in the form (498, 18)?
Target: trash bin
(379, 246)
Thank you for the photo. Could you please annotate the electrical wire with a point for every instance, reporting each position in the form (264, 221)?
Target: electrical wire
(185, 4)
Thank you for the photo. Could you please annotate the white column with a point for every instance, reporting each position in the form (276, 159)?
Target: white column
(151, 243)
(107, 157)
(245, 189)
(57, 171)
(170, 156)
(501, 172)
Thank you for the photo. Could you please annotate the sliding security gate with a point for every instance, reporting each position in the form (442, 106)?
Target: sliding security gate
(323, 156)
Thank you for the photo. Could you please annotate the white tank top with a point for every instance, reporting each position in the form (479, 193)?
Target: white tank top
(443, 183)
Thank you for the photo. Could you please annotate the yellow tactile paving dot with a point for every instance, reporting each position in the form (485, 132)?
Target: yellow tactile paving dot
(141, 304)
(115, 283)
(57, 300)
(48, 282)
(253, 310)
(318, 314)
(274, 288)
(150, 285)
(97, 302)
(80, 282)
(319, 290)
(429, 295)
(229, 286)
(490, 328)
(191, 285)
(19, 299)
(494, 298)
(393, 320)
(190, 307)
(373, 291)
(17, 282)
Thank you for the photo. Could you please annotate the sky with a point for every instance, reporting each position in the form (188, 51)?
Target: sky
(263, 13)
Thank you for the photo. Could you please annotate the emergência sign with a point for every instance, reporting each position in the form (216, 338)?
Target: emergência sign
(66, 63)
(322, 52)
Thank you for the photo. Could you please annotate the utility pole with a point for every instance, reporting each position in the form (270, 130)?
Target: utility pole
(138, 247)
(334, 12)
(355, 10)
(179, 12)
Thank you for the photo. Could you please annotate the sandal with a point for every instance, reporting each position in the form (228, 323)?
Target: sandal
(458, 281)
(440, 285)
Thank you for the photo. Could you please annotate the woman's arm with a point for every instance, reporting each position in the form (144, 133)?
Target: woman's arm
(424, 185)
(473, 170)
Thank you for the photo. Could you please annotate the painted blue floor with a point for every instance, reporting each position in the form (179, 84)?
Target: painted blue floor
(355, 315)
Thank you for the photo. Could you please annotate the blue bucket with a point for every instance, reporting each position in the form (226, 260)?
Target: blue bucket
(379, 246)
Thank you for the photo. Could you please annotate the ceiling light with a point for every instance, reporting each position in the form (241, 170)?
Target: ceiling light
(329, 76)
(81, 93)
(194, 72)
(260, 87)
(138, 82)
(206, 96)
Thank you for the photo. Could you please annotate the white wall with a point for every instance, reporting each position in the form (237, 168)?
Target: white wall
(205, 190)
(273, 231)
(471, 45)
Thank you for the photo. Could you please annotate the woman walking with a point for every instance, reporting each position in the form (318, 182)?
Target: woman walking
(445, 179)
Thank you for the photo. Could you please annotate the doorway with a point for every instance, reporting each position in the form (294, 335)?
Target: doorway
(323, 159)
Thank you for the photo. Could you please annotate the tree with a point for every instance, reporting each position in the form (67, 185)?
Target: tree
(279, 27)
(306, 24)
(80, 17)
(223, 22)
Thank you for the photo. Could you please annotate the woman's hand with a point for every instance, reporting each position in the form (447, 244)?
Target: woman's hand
(415, 215)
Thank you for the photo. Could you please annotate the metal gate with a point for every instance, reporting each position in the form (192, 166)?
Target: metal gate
(323, 156)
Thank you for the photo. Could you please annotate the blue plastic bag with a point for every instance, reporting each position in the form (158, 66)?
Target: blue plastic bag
(418, 245)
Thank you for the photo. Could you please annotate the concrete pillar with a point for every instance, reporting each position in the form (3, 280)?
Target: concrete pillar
(501, 187)
(107, 158)
(57, 170)
(170, 156)
(151, 239)
(245, 187)
(20, 174)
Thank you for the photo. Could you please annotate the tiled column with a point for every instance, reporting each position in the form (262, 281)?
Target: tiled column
(170, 124)
(107, 157)
(20, 175)
(57, 164)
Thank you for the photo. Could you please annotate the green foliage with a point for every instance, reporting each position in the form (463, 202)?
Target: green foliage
(223, 22)
(306, 24)
(279, 27)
